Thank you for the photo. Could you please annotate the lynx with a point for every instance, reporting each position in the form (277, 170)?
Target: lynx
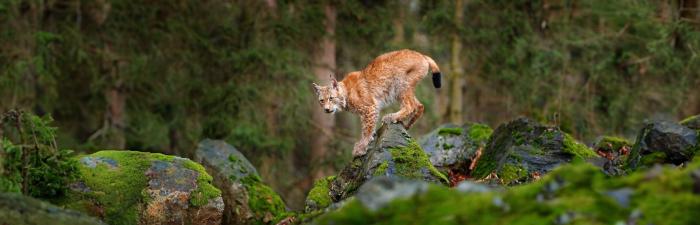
(389, 77)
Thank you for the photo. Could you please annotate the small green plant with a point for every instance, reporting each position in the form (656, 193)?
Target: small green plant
(30, 161)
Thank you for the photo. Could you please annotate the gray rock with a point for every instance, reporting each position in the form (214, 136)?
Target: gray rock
(471, 187)
(663, 142)
(522, 150)
(621, 196)
(392, 153)
(17, 209)
(453, 147)
(380, 191)
(236, 176)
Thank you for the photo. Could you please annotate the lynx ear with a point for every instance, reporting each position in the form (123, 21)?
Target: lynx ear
(335, 82)
(316, 88)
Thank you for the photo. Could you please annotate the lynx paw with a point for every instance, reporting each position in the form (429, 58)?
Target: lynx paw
(391, 118)
(360, 149)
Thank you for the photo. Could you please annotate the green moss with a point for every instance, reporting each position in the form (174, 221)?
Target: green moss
(535, 150)
(381, 169)
(447, 146)
(262, 200)
(509, 173)
(656, 157)
(480, 133)
(581, 194)
(319, 193)
(577, 149)
(450, 131)
(485, 166)
(411, 159)
(686, 121)
(118, 190)
(610, 143)
(205, 190)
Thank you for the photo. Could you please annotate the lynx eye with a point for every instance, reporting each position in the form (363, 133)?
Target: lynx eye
(322, 100)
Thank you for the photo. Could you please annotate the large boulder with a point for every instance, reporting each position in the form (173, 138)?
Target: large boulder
(247, 199)
(451, 148)
(392, 153)
(17, 209)
(523, 150)
(663, 142)
(129, 187)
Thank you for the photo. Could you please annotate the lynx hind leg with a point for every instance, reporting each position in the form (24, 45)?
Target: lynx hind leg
(407, 108)
(416, 114)
(369, 120)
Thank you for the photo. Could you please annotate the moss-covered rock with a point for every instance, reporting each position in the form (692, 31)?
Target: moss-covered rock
(319, 195)
(129, 187)
(692, 122)
(663, 142)
(391, 153)
(576, 193)
(247, 199)
(523, 150)
(17, 209)
(452, 148)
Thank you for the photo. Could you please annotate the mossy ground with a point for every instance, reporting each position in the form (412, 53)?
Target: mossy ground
(450, 131)
(263, 201)
(574, 194)
(410, 160)
(119, 190)
(319, 193)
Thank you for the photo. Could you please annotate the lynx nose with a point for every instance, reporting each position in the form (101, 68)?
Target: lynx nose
(328, 110)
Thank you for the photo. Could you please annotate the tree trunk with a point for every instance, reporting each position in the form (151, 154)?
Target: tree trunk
(116, 104)
(325, 64)
(457, 81)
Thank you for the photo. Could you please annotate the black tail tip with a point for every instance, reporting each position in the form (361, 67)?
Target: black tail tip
(437, 82)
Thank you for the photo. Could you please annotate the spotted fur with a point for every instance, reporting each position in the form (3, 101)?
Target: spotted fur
(392, 76)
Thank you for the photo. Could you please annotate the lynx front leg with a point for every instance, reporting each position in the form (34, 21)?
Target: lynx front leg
(369, 120)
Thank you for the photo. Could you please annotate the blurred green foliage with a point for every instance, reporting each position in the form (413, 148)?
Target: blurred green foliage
(33, 159)
(240, 70)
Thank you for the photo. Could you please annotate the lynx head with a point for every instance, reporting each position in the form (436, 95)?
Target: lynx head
(330, 97)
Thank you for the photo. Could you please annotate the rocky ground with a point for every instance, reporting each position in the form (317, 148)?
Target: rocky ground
(522, 172)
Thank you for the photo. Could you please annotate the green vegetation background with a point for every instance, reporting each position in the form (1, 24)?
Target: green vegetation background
(241, 70)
